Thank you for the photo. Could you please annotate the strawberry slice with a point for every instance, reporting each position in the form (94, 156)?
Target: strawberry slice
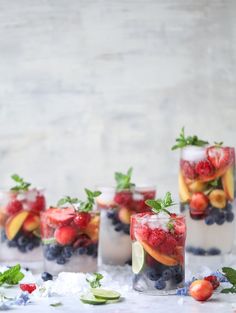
(65, 235)
(28, 287)
(204, 168)
(39, 204)
(188, 169)
(220, 157)
(60, 217)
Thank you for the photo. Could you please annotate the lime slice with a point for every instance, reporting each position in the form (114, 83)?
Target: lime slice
(105, 294)
(47, 241)
(90, 299)
(138, 257)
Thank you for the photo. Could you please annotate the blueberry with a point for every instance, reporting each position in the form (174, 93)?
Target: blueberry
(118, 227)
(61, 260)
(55, 249)
(220, 218)
(178, 278)
(46, 276)
(90, 249)
(95, 253)
(209, 220)
(229, 206)
(67, 252)
(29, 246)
(214, 211)
(229, 216)
(36, 241)
(152, 274)
(176, 270)
(213, 251)
(190, 249)
(12, 244)
(199, 251)
(22, 249)
(115, 221)
(110, 214)
(51, 252)
(81, 251)
(160, 284)
(126, 229)
(166, 274)
(22, 241)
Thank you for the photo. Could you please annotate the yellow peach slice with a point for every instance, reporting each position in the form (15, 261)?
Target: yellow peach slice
(184, 193)
(197, 186)
(228, 183)
(160, 257)
(218, 198)
(92, 229)
(14, 224)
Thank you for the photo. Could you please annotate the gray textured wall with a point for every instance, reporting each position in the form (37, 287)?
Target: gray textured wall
(89, 87)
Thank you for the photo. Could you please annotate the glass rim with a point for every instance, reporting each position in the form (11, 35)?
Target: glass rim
(139, 187)
(148, 217)
(8, 190)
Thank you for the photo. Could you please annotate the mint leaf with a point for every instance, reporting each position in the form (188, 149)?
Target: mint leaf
(94, 280)
(230, 274)
(123, 181)
(66, 200)
(11, 276)
(183, 141)
(160, 205)
(21, 185)
(229, 290)
(55, 305)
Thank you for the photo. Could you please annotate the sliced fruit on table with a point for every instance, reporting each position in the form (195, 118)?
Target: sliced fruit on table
(124, 215)
(100, 293)
(160, 257)
(92, 228)
(65, 235)
(197, 186)
(14, 224)
(228, 183)
(28, 287)
(90, 299)
(31, 223)
(218, 198)
(184, 193)
(138, 257)
(60, 217)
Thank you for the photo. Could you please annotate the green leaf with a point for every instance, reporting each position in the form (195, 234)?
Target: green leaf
(123, 181)
(230, 274)
(183, 141)
(21, 184)
(55, 305)
(69, 200)
(160, 205)
(11, 276)
(94, 280)
(229, 290)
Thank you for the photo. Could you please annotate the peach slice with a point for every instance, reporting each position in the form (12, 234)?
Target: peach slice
(218, 198)
(3, 218)
(92, 228)
(228, 183)
(31, 223)
(14, 224)
(160, 257)
(197, 186)
(124, 215)
(184, 193)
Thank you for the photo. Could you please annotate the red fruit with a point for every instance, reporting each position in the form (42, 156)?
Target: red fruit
(201, 290)
(14, 207)
(198, 203)
(60, 217)
(28, 287)
(213, 280)
(220, 157)
(136, 227)
(124, 198)
(204, 168)
(188, 169)
(82, 219)
(179, 226)
(65, 235)
(168, 246)
(143, 232)
(156, 237)
(31, 223)
(82, 241)
(39, 204)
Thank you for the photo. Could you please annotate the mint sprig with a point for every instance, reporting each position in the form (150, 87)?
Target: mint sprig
(123, 181)
(57, 304)
(12, 276)
(160, 205)
(230, 274)
(78, 205)
(94, 280)
(21, 185)
(183, 141)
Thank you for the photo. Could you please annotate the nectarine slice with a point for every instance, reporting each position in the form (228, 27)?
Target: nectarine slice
(228, 183)
(160, 257)
(14, 224)
(184, 193)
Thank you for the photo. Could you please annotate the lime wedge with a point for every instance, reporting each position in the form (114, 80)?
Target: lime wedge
(47, 241)
(90, 299)
(138, 257)
(105, 294)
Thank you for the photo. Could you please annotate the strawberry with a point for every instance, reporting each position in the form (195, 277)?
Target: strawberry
(28, 287)
(82, 241)
(82, 219)
(188, 169)
(156, 237)
(204, 168)
(213, 280)
(179, 226)
(60, 217)
(14, 207)
(124, 198)
(220, 157)
(198, 203)
(65, 235)
(143, 232)
(168, 246)
(39, 204)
